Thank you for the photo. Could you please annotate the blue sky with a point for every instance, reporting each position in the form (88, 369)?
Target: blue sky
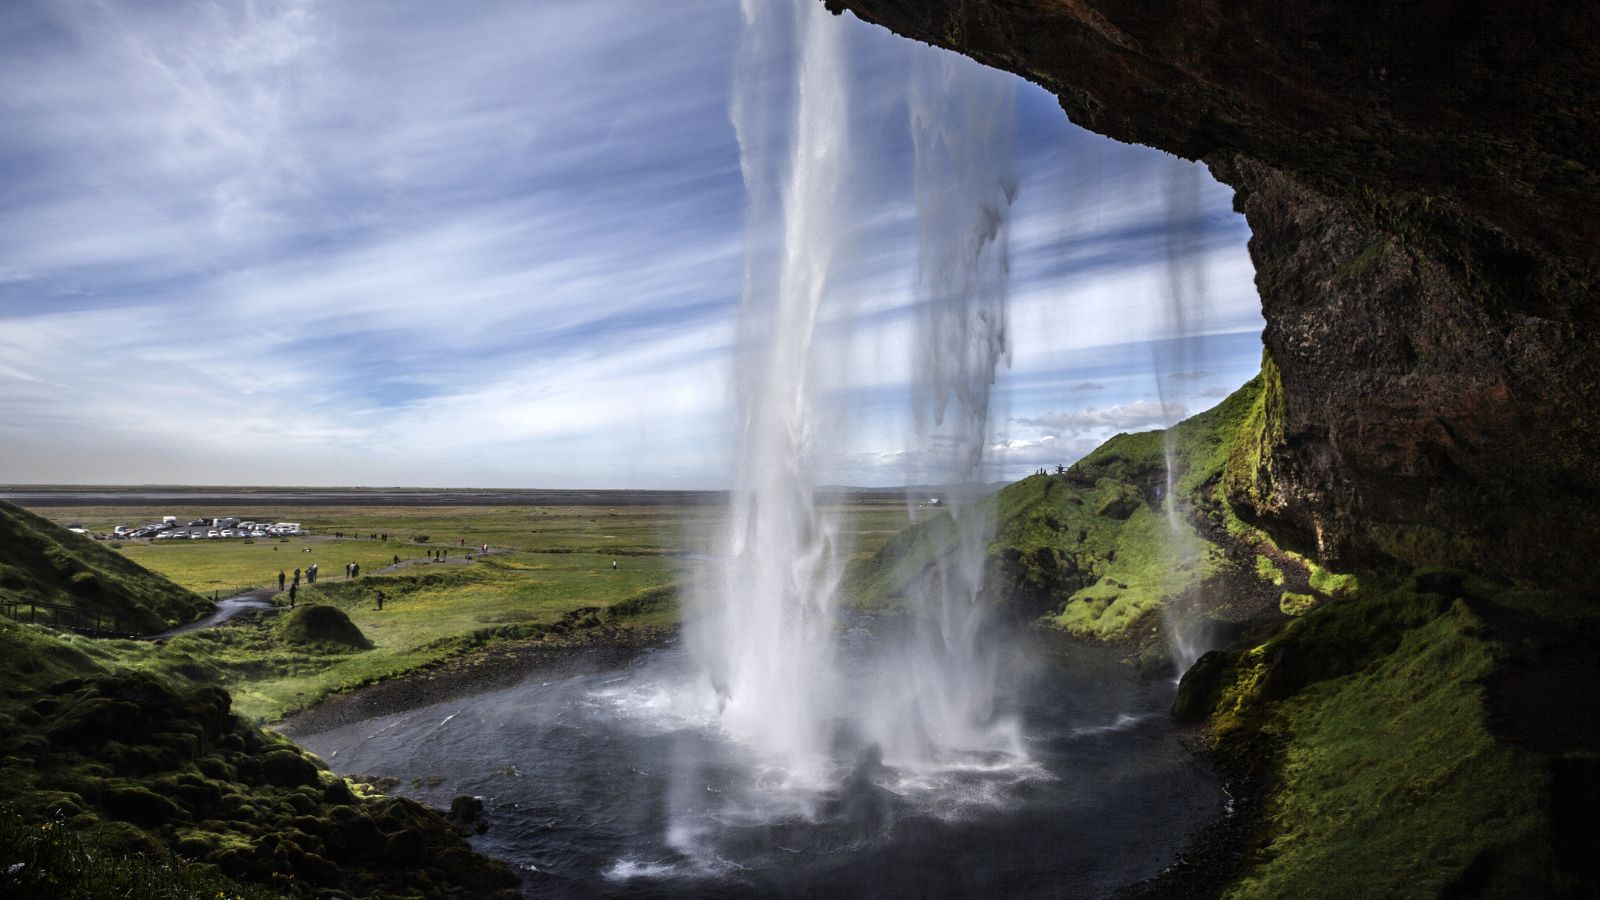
(408, 243)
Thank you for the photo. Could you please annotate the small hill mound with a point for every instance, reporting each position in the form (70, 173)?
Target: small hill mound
(43, 562)
(319, 624)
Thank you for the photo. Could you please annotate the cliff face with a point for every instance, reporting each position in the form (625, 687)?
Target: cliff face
(1423, 191)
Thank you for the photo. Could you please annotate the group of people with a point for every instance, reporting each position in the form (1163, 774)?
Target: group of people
(375, 536)
(351, 570)
(291, 584)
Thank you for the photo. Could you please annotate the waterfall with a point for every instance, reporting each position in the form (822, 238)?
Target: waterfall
(765, 639)
(1175, 357)
(943, 695)
(764, 634)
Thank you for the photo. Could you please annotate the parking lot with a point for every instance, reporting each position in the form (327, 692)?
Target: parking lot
(212, 528)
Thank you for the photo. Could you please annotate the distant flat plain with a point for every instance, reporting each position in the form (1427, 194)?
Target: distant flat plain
(554, 555)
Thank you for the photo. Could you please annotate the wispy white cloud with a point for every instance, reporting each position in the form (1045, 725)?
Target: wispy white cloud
(1140, 415)
(418, 244)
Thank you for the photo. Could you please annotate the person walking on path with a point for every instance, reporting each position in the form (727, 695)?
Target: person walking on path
(355, 570)
(280, 579)
(292, 588)
(397, 559)
(613, 565)
(312, 574)
(297, 577)
(380, 600)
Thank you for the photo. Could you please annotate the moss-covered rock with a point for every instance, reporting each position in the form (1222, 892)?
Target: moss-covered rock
(1388, 761)
(288, 768)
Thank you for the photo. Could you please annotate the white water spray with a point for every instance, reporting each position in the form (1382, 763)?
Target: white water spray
(943, 699)
(766, 634)
(1187, 297)
(767, 641)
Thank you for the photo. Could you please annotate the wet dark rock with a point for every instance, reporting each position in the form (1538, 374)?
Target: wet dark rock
(1201, 686)
(466, 809)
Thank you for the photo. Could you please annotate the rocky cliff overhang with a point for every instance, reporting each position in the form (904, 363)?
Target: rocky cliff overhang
(1422, 184)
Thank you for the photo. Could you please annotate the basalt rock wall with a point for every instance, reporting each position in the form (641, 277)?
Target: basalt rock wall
(1422, 184)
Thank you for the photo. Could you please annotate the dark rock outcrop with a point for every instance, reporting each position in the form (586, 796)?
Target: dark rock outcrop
(1423, 189)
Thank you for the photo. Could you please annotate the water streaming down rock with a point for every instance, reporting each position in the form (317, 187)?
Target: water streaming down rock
(1176, 359)
(942, 699)
(766, 637)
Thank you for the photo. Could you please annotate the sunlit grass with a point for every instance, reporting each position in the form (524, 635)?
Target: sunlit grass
(210, 566)
(560, 561)
(1391, 774)
(629, 530)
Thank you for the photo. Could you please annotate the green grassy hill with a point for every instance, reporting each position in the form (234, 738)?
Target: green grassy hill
(46, 563)
(1092, 551)
(117, 781)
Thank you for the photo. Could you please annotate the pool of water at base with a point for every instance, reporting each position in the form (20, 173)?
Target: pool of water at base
(616, 785)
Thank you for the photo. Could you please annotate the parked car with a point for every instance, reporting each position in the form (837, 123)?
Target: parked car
(196, 535)
(226, 532)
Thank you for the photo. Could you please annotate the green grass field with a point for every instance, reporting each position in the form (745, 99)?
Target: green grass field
(222, 565)
(623, 530)
(550, 563)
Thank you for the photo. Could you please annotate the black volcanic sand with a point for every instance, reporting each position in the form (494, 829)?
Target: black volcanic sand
(596, 782)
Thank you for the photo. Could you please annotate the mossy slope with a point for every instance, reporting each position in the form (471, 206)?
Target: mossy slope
(139, 763)
(1385, 734)
(44, 562)
(1092, 549)
(147, 765)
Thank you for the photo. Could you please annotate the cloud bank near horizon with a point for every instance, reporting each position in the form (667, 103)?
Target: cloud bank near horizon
(395, 243)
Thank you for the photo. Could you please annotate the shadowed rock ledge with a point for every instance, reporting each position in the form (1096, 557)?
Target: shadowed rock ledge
(1422, 188)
